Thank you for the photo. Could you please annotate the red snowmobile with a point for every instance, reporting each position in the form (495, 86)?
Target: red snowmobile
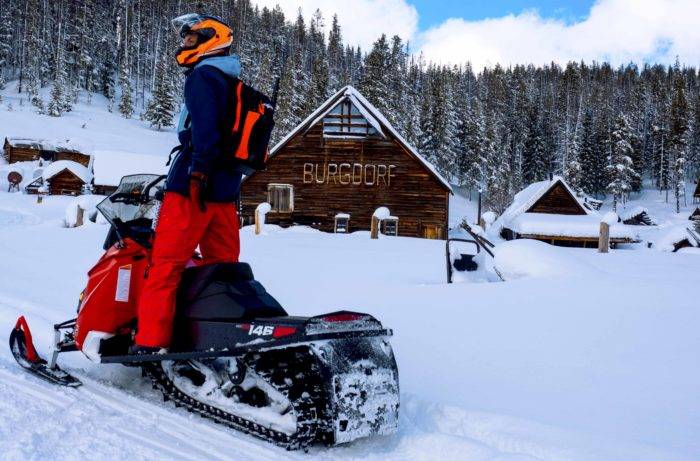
(237, 357)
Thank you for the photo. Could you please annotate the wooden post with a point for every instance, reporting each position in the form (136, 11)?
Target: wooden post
(374, 232)
(258, 224)
(39, 198)
(260, 212)
(604, 241)
(81, 216)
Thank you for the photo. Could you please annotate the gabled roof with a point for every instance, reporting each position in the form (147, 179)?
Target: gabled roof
(76, 168)
(697, 189)
(374, 118)
(526, 198)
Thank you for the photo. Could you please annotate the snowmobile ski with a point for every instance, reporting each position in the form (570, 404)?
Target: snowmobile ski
(26, 356)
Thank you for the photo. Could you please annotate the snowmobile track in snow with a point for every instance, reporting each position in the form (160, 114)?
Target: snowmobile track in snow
(309, 422)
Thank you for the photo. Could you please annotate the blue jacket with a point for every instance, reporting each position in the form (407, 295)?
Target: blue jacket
(205, 121)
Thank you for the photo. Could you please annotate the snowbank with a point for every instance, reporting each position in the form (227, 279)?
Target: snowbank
(89, 204)
(567, 226)
(112, 165)
(519, 259)
(672, 236)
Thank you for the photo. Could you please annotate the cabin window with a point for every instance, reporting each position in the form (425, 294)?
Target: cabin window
(432, 232)
(346, 120)
(281, 197)
(342, 223)
(390, 226)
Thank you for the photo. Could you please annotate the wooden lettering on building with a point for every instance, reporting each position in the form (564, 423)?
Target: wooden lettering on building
(356, 174)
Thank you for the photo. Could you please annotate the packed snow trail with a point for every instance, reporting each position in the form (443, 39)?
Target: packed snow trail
(600, 363)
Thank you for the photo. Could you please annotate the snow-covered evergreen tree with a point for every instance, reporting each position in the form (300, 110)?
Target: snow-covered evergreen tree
(678, 130)
(126, 104)
(162, 107)
(620, 167)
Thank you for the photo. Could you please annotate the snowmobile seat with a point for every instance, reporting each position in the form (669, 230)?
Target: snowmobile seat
(224, 292)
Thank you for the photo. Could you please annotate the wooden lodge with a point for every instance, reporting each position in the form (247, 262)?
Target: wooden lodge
(550, 211)
(28, 150)
(339, 166)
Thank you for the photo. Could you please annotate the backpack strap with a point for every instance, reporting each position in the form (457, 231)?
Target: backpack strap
(239, 106)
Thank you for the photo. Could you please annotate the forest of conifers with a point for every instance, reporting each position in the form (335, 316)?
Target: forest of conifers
(604, 128)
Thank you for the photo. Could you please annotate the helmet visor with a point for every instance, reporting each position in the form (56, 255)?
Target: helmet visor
(183, 24)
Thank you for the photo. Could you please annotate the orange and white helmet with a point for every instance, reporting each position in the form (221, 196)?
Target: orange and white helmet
(214, 37)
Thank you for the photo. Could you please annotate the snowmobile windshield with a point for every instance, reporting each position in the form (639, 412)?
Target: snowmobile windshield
(134, 199)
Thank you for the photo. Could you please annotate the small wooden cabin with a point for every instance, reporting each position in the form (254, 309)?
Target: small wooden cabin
(347, 160)
(66, 177)
(549, 211)
(28, 150)
(696, 194)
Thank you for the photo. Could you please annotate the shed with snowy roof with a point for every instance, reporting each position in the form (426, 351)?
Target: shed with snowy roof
(347, 159)
(27, 150)
(550, 211)
(65, 177)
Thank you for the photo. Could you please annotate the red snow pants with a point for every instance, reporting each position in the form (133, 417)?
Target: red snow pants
(182, 225)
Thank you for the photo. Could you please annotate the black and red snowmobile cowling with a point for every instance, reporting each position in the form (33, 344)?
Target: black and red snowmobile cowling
(237, 357)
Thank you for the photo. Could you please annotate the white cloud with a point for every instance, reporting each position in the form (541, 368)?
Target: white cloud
(615, 30)
(362, 21)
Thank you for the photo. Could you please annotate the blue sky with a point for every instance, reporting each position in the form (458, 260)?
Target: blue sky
(508, 32)
(433, 12)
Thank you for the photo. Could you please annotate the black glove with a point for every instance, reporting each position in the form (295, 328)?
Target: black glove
(198, 189)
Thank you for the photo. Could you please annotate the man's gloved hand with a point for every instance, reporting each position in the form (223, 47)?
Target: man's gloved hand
(198, 187)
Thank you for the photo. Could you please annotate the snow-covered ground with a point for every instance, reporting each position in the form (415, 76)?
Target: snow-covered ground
(579, 356)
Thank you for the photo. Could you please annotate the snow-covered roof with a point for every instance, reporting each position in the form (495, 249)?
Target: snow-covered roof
(632, 212)
(527, 197)
(54, 168)
(374, 118)
(672, 236)
(554, 225)
(517, 219)
(110, 166)
(42, 144)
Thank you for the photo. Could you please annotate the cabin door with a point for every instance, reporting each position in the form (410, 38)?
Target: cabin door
(432, 232)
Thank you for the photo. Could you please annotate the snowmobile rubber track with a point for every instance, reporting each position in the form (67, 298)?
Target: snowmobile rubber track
(276, 367)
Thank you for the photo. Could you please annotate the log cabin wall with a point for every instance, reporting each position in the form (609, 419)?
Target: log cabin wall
(20, 154)
(354, 176)
(557, 200)
(65, 183)
(15, 154)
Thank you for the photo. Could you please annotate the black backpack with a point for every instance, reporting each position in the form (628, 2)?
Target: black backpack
(252, 126)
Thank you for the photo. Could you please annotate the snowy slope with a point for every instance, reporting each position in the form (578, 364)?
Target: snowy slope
(599, 361)
(588, 366)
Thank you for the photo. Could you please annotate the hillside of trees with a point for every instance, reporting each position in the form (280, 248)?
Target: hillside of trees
(603, 128)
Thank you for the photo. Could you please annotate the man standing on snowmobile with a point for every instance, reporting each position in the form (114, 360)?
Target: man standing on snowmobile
(198, 208)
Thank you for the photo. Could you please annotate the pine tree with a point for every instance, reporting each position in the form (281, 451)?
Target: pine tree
(678, 128)
(6, 35)
(620, 166)
(374, 85)
(162, 106)
(126, 105)
(572, 169)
